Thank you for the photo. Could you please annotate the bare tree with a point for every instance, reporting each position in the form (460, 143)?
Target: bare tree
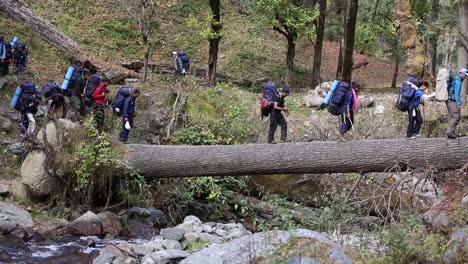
(320, 25)
(349, 40)
(214, 40)
(463, 44)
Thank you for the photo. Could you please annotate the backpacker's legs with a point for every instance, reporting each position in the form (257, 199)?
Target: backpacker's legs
(284, 126)
(453, 118)
(414, 122)
(346, 123)
(99, 117)
(273, 126)
(17, 68)
(31, 124)
(125, 132)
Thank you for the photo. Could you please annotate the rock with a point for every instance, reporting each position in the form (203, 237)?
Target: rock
(11, 217)
(17, 148)
(4, 190)
(155, 217)
(34, 175)
(51, 131)
(313, 99)
(171, 244)
(438, 219)
(122, 250)
(104, 258)
(165, 256)
(142, 229)
(366, 101)
(174, 233)
(5, 124)
(88, 242)
(191, 224)
(379, 110)
(457, 249)
(122, 260)
(19, 191)
(110, 223)
(88, 224)
(271, 245)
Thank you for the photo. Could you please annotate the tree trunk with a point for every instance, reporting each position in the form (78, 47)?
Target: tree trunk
(147, 51)
(349, 41)
(155, 161)
(395, 73)
(409, 41)
(48, 32)
(319, 44)
(463, 44)
(435, 7)
(341, 6)
(290, 58)
(214, 42)
(451, 49)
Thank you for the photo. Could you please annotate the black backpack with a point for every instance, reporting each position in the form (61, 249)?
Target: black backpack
(122, 95)
(338, 98)
(185, 59)
(93, 82)
(406, 96)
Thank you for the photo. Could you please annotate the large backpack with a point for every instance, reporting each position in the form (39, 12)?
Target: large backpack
(337, 101)
(266, 103)
(122, 95)
(443, 84)
(185, 59)
(406, 96)
(93, 82)
(28, 90)
(50, 90)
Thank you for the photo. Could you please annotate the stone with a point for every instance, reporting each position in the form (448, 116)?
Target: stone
(171, 244)
(110, 223)
(19, 191)
(174, 233)
(104, 258)
(35, 176)
(438, 219)
(379, 110)
(165, 256)
(88, 224)
(191, 224)
(4, 190)
(153, 216)
(5, 124)
(271, 245)
(457, 249)
(11, 216)
(313, 99)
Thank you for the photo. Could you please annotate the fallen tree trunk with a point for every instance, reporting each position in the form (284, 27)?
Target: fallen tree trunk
(41, 27)
(155, 161)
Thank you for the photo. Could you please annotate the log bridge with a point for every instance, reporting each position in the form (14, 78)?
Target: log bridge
(158, 161)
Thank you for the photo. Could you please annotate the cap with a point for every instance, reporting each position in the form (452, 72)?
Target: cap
(174, 53)
(262, 80)
(463, 70)
(285, 90)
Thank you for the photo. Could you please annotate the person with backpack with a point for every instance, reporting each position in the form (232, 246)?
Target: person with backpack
(182, 62)
(277, 118)
(55, 100)
(92, 81)
(127, 115)
(415, 119)
(99, 97)
(19, 59)
(350, 104)
(268, 92)
(29, 106)
(6, 61)
(454, 103)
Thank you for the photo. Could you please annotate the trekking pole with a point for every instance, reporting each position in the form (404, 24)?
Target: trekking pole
(424, 120)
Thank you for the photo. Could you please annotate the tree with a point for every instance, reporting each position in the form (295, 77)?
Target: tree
(463, 43)
(214, 39)
(409, 40)
(289, 18)
(158, 161)
(318, 45)
(146, 12)
(349, 41)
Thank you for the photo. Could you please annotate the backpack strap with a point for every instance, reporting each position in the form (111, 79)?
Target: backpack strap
(412, 85)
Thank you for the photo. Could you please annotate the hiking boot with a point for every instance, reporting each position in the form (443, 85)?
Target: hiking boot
(452, 136)
(411, 138)
(272, 142)
(417, 135)
(285, 140)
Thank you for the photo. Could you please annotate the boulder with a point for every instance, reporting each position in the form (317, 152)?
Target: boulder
(457, 250)
(19, 191)
(379, 110)
(191, 224)
(174, 233)
(110, 223)
(165, 256)
(4, 189)
(438, 219)
(88, 224)
(5, 124)
(11, 217)
(35, 176)
(51, 131)
(276, 246)
(153, 216)
(313, 99)
(105, 258)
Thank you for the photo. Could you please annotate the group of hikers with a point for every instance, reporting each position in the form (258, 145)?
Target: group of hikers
(343, 100)
(12, 52)
(86, 91)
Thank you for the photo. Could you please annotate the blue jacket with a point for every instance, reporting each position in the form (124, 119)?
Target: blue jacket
(455, 89)
(129, 106)
(348, 101)
(417, 98)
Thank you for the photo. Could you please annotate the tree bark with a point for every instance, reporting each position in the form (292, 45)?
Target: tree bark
(409, 41)
(435, 9)
(463, 44)
(291, 54)
(319, 44)
(349, 41)
(214, 42)
(155, 161)
(395, 74)
(41, 27)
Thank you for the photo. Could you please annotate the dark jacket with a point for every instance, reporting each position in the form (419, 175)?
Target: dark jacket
(129, 106)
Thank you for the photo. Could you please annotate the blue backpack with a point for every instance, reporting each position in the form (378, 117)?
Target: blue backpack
(406, 96)
(50, 90)
(185, 59)
(266, 103)
(93, 82)
(337, 101)
(122, 95)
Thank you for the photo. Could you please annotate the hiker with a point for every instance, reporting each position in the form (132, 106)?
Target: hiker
(454, 104)
(29, 107)
(277, 118)
(99, 97)
(182, 62)
(92, 82)
(6, 61)
(351, 103)
(76, 94)
(127, 115)
(415, 119)
(19, 59)
(55, 100)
